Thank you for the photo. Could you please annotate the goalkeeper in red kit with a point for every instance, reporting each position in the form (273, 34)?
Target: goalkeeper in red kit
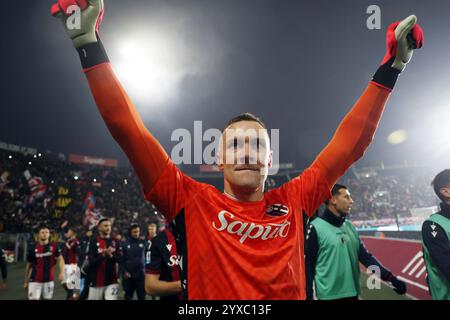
(241, 243)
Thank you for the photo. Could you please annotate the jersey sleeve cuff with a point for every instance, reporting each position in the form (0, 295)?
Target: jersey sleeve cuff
(386, 76)
(152, 271)
(92, 55)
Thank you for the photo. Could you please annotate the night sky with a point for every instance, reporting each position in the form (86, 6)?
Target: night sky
(299, 65)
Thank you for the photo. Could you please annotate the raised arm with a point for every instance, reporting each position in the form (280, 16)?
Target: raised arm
(356, 131)
(117, 110)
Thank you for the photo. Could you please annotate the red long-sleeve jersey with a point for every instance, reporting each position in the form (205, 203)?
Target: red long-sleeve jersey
(231, 249)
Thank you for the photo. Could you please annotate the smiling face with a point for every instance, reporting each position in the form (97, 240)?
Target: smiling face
(245, 157)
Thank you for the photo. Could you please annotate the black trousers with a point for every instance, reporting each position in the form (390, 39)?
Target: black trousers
(134, 284)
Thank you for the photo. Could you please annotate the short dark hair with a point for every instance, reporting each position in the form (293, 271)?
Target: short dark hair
(335, 190)
(134, 226)
(441, 180)
(245, 117)
(42, 226)
(102, 220)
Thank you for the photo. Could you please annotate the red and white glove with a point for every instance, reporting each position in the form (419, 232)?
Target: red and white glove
(401, 39)
(81, 19)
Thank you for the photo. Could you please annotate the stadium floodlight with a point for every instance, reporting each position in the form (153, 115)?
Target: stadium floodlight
(397, 137)
(35, 156)
(148, 68)
(113, 190)
(76, 177)
(29, 163)
(10, 157)
(39, 154)
(94, 180)
(152, 63)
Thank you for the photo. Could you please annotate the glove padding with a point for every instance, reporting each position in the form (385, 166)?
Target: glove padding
(401, 39)
(91, 18)
(399, 286)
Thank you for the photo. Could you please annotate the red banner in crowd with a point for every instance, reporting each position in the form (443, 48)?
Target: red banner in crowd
(76, 158)
(404, 259)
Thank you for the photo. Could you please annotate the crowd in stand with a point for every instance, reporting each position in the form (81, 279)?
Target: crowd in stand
(390, 193)
(57, 190)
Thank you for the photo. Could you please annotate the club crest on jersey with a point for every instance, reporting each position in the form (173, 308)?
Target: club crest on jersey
(276, 210)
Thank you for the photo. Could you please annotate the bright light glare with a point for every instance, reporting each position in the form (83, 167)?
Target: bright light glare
(149, 68)
(397, 137)
(437, 133)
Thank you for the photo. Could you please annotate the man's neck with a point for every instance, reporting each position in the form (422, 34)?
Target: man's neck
(243, 195)
(104, 236)
(334, 211)
(332, 218)
(43, 242)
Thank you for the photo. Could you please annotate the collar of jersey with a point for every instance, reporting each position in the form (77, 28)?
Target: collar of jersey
(247, 203)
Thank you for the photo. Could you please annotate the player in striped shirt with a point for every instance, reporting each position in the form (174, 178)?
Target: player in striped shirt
(104, 255)
(42, 257)
(72, 275)
(162, 267)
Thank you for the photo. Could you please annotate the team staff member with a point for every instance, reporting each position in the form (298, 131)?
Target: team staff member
(133, 264)
(436, 243)
(334, 251)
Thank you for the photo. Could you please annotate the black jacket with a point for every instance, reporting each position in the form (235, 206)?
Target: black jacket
(133, 259)
(438, 245)
(3, 264)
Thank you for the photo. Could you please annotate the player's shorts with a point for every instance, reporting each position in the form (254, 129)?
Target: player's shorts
(72, 276)
(110, 292)
(38, 289)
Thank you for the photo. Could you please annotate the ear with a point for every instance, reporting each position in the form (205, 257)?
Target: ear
(219, 161)
(333, 200)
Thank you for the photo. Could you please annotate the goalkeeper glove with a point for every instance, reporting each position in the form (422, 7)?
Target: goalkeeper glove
(399, 286)
(81, 19)
(401, 39)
